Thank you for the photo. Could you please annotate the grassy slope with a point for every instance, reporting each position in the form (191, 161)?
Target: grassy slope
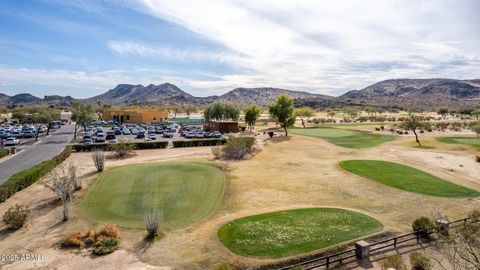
(292, 232)
(345, 138)
(471, 141)
(187, 192)
(406, 178)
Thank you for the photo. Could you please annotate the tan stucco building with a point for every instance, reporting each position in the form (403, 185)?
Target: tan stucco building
(133, 115)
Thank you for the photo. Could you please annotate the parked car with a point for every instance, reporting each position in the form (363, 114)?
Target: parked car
(29, 134)
(190, 134)
(167, 133)
(117, 131)
(87, 140)
(199, 134)
(208, 134)
(100, 137)
(126, 131)
(217, 134)
(141, 135)
(152, 136)
(111, 138)
(16, 134)
(11, 141)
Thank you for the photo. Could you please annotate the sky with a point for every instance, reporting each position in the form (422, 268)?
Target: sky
(83, 48)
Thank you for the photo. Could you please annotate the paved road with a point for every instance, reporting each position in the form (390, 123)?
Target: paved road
(45, 149)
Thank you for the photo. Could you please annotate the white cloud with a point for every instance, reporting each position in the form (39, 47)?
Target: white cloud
(332, 45)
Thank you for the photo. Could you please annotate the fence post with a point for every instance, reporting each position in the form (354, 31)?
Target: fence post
(328, 262)
(442, 226)
(362, 249)
(395, 242)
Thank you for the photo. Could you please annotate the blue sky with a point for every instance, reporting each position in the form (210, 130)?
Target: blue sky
(85, 47)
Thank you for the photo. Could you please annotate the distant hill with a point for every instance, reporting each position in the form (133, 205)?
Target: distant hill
(264, 96)
(419, 93)
(428, 94)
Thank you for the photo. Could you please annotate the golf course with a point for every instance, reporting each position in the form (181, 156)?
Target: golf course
(291, 232)
(470, 141)
(186, 192)
(406, 178)
(344, 137)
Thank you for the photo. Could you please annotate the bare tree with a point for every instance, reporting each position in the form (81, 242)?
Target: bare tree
(72, 174)
(99, 159)
(152, 219)
(63, 186)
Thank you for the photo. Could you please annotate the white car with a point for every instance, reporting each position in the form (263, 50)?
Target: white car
(11, 141)
(152, 137)
(100, 137)
(126, 131)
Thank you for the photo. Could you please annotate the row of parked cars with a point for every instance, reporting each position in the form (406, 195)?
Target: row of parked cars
(11, 135)
(99, 134)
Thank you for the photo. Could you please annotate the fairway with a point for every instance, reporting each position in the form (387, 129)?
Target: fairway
(187, 192)
(471, 141)
(292, 232)
(344, 137)
(407, 178)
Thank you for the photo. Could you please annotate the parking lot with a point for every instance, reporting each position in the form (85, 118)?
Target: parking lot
(141, 133)
(22, 135)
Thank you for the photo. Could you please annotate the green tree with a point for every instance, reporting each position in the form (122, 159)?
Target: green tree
(221, 112)
(82, 114)
(475, 126)
(282, 111)
(20, 116)
(252, 113)
(45, 116)
(413, 123)
(331, 113)
(303, 113)
(443, 112)
(189, 109)
(476, 113)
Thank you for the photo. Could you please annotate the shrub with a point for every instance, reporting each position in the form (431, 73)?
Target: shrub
(108, 231)
(27, 177)
(199, 142)
(217, 152)
(105, 246)
(98, 158)
(90, 237)
(4, 152)
(395, 262)
(477, 158)
(122, 149)
(422, 225)
(16, 216)
(238, 147)
(474, 214)
(418, 261)
(73, 240)
(105, 146)
(152, 219)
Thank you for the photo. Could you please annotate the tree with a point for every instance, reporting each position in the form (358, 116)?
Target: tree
(476, 113)
(282, 111)
(20, 116)
(252, 113)
(221, 112)
(443, 112)
(475, 126)
(413, 123)
(351, 112)
(303, 113)
(64, 187)
(45, 116)
(82, 115)
(101, 109)
(331, 113)
(189, 109)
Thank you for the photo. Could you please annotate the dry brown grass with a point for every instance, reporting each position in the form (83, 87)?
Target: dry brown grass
(107, 231)
(73, 240)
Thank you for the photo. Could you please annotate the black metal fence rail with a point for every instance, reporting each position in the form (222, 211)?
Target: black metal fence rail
(345, 256)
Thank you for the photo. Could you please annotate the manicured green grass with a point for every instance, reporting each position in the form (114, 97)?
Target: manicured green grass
(187, 192)
(344, 137)
(407, 178)
(292, 232)
(471, 141)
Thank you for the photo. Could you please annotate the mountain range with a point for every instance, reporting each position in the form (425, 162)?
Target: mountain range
(398, 93)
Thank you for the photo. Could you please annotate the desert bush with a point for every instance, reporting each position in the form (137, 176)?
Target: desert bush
(238, 147)
(474, 214)
(90, 237)
(106, 146)
(152, 220)
(27, 177)
(72, 174)
(105, 246)
(422, 225)
(418, 261)
(16, 216)
(395, 262)
(98, 158)
(122, 149)
(73, 240)
(217, 152)
(107, 231)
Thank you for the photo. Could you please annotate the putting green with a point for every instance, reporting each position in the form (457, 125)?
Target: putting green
(292, 232)
(471, 141)
(407, 178)
(187, 193)
(344, 137)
